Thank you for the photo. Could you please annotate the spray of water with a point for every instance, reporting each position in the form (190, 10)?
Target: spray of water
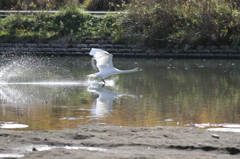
(94, 83)
(34, 79)
(32, 69)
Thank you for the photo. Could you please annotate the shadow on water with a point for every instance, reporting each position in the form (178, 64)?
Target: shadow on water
(54, 93)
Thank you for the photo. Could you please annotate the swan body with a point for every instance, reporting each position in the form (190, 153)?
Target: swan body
(105, 65)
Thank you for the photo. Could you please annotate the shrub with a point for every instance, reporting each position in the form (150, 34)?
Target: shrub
(196, 21)
(146, 22)
(106, 5)
(70, 22)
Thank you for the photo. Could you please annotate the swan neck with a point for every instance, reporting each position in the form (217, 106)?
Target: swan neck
(127, 71)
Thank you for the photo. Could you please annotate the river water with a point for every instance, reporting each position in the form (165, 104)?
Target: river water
(55, 93)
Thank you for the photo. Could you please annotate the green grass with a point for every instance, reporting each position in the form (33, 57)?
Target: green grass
(71, 22)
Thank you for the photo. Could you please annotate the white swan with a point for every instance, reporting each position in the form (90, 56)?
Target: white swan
(105, 65)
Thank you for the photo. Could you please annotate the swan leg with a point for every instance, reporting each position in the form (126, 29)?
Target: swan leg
(103, 82)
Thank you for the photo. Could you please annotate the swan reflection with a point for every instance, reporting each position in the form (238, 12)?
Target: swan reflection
(47, 103)
(103, 104)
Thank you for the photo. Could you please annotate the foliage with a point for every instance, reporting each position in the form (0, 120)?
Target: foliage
(56, 4)
(144, 22)
(36, 4)
(195, 21)
(71, 21)
(112, 5)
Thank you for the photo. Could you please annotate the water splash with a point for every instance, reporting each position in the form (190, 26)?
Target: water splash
(32, 69)
(96, 83)
(38, 92)
(36, 80)
(81, 83)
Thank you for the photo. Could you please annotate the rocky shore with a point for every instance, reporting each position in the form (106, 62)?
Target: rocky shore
(82, 47)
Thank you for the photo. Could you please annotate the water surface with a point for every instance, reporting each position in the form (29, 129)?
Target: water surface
(55, 93)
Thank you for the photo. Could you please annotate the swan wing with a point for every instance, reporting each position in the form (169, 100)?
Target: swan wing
(103, 58)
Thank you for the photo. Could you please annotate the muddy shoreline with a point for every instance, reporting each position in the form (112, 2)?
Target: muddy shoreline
(120, 142)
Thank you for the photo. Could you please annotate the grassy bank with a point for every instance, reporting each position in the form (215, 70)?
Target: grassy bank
(199, 22)
(69, 24)
(149, 22)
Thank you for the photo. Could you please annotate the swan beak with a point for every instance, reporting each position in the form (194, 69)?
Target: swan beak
(139, 69)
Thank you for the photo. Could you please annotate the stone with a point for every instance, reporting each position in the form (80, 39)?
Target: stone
(60, 49)
(30, 45)
(85, 50)
(52, 41)
(5, 44)
(82, 45)
(119, 46)
(224, 47)
(51, 53)
(154, 55)
(137, 50)
(112, 50)
(129, 55)
(217, 51)
(191, 51)
(117, 54)
(90, 42)
(101, 42)
(36, 49)
(107, 45)
(94, 45)
(141, 55)
(132, 46)
(56, 45)
(150, 50)
(73, 49)
(47, 49)
(43, 45)
(124, 50)
(18, 45)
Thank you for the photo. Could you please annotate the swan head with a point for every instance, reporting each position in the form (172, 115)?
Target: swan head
(138, 69)
(135, 69)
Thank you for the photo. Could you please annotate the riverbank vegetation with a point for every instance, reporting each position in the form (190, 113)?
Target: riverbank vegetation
(148, 22)
(70, 23)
